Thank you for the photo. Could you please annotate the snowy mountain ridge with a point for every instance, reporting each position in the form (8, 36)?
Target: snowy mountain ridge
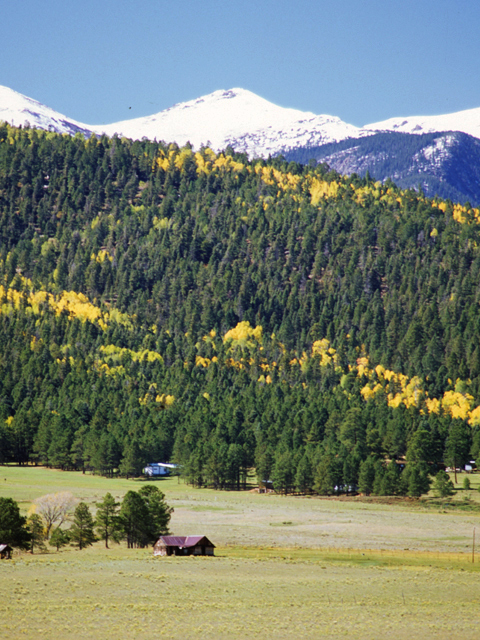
(467, 121)
(235, 117)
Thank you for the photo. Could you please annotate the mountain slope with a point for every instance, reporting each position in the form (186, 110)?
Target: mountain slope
(158, 303)
(19, 110)
(443, 164)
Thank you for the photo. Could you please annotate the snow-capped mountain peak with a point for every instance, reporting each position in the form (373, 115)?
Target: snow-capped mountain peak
(237, 117)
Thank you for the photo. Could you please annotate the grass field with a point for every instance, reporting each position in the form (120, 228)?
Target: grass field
(249, 519)
(294, 566)
(128, 594)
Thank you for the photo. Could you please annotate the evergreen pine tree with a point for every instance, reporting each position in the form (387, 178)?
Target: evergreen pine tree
(283, 473)
(37, 532)
(366, 477)
(378, 483)
(158, 511)
(81, 532)
(442, 485)
(304, 475)
(132, 461)
(135, 520)
(391, 480)
(416, 478)
(107, 523)
(324, 478)
(59, 538)
(13, 530)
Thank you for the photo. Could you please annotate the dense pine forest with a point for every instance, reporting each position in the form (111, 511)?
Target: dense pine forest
(230, 315)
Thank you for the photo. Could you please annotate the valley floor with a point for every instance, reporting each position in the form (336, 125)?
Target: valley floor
(302, 567)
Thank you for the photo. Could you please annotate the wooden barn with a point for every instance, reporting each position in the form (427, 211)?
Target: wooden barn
(183, 546)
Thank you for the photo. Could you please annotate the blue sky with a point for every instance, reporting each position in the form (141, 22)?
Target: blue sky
(362, 60)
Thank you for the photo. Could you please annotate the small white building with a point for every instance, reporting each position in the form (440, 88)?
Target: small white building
(159, 469)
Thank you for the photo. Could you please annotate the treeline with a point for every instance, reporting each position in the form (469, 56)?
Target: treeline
(140, 519)
(161, 304)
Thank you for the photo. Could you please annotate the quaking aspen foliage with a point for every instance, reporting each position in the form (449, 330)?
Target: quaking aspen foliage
(227, 314)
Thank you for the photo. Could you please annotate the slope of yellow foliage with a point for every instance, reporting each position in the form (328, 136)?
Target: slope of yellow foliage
(75, 305)
(244, 335)
(285, 181)
(114, 354)
(204, 362)
(227, 163)
(320, 189)
(13, 299)
(163, 400)
(101, 256)
(325, 352)
(400, 389)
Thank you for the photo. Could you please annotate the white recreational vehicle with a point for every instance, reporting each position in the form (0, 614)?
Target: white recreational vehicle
(159, 469)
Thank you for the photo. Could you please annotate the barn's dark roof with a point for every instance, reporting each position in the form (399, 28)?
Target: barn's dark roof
(184, 541)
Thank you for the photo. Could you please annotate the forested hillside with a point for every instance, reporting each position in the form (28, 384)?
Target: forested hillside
(162, 304)
(445, 164)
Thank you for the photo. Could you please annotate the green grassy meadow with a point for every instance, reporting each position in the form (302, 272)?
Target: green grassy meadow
(284, 566)
(100, 594)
